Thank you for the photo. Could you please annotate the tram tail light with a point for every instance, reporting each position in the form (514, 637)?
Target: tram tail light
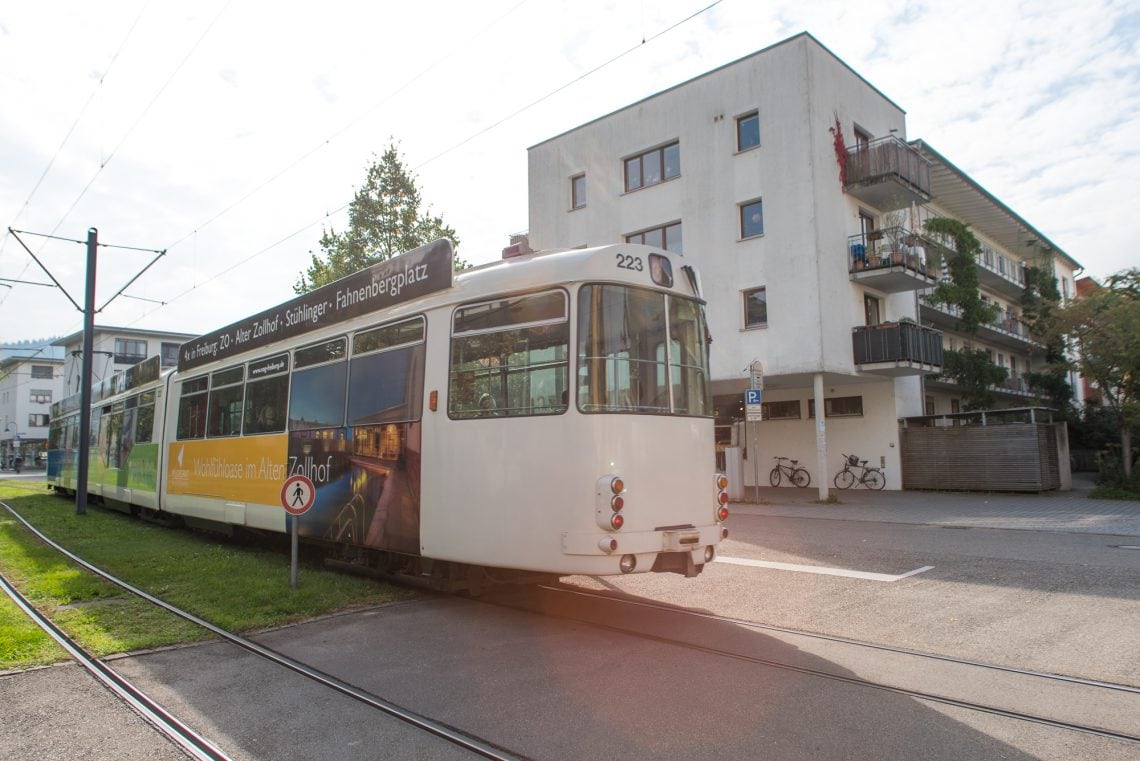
(721, 497)
(609, 501)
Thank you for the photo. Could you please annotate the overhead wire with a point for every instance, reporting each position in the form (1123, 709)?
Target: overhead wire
(70, 132)
(454, 147)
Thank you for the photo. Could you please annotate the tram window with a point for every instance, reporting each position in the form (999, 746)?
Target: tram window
(329, 351)
(226, 398)
(267, 396)
(688, 359)
(192, 408)
(641, 351)
(387, 386)
(510, 357)
(388, 336)
(316, 399)
(144, 424)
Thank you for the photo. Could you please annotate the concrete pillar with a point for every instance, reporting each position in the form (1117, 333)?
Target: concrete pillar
(820, 437)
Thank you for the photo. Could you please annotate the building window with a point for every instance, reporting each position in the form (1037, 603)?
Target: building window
(756, 308)
(873, 309)
(667, 237)
(37, 421)
(128, 352)
(747, 131)
(169, 354)
(578, 191)
(653, 167)
(929, 405)
(751, 219)
(42, 372)
(789, 410)
(839, 406)
(40, 396)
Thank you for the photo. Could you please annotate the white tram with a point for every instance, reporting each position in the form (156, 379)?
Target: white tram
(544, 414)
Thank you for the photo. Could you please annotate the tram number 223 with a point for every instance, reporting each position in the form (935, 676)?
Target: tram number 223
(629, 263)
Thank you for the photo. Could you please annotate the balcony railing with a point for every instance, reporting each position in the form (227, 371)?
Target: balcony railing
(899, 342)
(888, 173)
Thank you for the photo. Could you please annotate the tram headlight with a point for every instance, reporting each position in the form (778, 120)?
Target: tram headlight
(628, 563)
(710, 553)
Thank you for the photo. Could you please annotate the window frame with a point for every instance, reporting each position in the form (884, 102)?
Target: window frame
(783, 409)
(639, 237)
(124, 354)
(746, 294)
(740, 122)
(578, 191)
(500, 409)
(659, 154)
(829, 403)
(743, 206)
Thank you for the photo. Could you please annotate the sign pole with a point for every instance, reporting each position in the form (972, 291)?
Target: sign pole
(297, 495)
(293, 519)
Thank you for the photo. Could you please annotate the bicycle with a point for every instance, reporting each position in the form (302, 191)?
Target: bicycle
(872, 478)
(797, 475)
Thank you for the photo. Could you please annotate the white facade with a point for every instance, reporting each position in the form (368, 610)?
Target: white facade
(28, 386)
(579, 195)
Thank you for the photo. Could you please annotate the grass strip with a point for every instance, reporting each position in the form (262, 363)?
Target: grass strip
(234, 586)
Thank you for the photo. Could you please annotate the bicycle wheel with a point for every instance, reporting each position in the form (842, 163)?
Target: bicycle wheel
(844, 479)
(874, 479)
(774, 476)
(801, 478)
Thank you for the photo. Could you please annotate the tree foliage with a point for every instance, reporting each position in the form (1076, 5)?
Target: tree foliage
(1039, 304)
(384, 219)
(961, 290)
(974, 373)
(1105, 326)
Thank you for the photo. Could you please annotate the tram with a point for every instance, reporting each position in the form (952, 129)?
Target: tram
(545, 414)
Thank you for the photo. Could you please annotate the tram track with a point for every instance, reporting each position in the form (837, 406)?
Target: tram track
(179, 732)
(689, 629)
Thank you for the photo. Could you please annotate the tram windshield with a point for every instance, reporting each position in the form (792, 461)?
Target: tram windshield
(641, 351)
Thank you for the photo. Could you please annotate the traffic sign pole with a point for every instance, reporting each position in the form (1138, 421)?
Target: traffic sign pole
(297, 495)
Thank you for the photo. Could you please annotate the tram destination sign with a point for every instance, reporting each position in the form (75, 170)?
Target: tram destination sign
(402, 278)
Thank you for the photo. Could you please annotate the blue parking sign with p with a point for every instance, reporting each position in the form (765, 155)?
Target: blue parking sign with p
(752, 396)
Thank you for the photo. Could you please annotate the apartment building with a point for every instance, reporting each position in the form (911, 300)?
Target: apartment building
(789, 182)
(28, 386)
(116, 349)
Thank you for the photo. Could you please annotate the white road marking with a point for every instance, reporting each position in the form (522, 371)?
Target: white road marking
(867, 575)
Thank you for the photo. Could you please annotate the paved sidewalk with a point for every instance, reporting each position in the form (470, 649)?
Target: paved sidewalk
(1069, 511)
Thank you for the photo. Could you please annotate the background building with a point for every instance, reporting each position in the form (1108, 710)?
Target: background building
(789, 182)
(115, 350)
(28, 386)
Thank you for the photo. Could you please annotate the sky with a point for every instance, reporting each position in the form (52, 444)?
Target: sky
(231, 133)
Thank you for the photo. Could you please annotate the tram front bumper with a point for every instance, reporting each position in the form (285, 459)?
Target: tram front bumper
(680, 539)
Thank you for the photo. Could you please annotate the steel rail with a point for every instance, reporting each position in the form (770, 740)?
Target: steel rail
(152, 712)
(439, 729)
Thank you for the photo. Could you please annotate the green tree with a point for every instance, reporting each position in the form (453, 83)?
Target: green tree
(1105, 326)
(1039, 304)
(384, 220)
(971, 369)
(974, 373)
(961, 290)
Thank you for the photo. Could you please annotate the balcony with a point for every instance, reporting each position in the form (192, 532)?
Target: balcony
(891, 260)
(888, 174)
(896, 349)
(1007, 330)
(1000, 274)
(1013, 387)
